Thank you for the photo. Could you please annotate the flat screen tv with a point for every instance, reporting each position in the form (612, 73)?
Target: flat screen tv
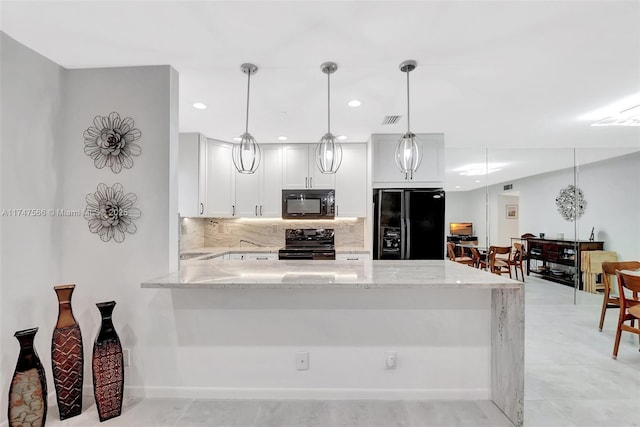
(461, 228)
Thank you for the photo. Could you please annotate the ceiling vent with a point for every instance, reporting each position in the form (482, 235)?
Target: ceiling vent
(508, 187)
(390, 120)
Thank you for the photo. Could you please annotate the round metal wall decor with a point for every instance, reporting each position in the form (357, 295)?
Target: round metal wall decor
(110, 212)
(571, 203)
(111, 142)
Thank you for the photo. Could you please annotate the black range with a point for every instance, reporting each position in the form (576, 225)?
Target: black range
(308, 243)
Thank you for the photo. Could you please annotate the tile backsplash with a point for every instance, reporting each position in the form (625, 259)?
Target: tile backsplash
(224, 232)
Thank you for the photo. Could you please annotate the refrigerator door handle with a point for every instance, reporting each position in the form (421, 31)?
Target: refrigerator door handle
(408, 239)
(403, 239)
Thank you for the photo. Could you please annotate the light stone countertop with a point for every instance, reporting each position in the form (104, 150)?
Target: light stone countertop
(329, 275)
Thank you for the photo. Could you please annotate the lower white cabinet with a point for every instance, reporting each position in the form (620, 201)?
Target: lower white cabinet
(253, 256)
(352, 257)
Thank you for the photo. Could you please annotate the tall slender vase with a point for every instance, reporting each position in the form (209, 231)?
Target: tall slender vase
(108, 366)
(66, 356)
(28, 390)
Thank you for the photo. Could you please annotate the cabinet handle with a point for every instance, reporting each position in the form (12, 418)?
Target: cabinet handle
(201, 208)
(352, 259)
(260, 210)
(256, 210)
(406, 176)
(337, 210)
(310, 182)
(262, 258)
(305, 182)
(411, 174)
(233, 211)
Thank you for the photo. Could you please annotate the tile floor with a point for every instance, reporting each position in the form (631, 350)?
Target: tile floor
(570, 380)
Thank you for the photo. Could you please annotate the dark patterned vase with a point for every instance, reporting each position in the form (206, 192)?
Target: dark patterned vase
(108, 366)
(66, 356)
(28, 390)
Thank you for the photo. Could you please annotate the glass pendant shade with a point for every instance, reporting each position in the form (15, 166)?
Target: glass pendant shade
(408, 153)
(408, 150)
(328, 154)
(246, 153)
(328, 151)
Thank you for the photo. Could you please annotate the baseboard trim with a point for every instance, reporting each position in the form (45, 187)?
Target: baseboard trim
(306, 393)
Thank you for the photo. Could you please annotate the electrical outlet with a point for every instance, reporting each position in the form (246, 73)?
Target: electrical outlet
(302, 360)
(126, 355)
(390, 360)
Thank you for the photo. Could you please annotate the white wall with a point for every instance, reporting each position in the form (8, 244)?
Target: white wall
(45, 110)
(30, 178)
(506, 227)
(106, 271)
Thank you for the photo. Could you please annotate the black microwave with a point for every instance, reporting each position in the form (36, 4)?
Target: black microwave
(308, 204)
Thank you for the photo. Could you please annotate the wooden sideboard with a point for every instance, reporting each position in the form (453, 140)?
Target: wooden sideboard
(558, 260)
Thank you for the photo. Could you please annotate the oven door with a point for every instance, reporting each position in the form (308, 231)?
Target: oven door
(328, 255)
(295, 255)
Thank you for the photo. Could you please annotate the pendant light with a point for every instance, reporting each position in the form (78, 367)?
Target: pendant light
(246, 153)
(408, 151)
(328, 151)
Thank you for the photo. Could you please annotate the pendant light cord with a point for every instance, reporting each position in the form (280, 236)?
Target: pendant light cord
(328, 102)
(408, 119)
(246, 126)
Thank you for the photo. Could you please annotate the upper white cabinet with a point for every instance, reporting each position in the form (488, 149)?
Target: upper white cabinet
(351, 182)
(259, 194)
(192, 164)
(220, 178)
(386, 173)
(300, 170)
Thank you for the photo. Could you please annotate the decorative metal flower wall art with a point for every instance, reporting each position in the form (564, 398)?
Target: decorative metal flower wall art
(111, 142)
(110, 212)
(571, 203)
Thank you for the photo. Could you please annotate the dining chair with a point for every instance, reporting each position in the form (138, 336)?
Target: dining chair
(516, 259)
(479, 260)
(499, 265)
(461, 259)
(629, 307)
(608, 277)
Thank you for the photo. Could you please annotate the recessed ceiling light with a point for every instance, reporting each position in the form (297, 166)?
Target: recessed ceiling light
(457, 186)
(282, 138)
(354, 103)
(477, 180)
(342, 137)
(237, 139)
(199, 106)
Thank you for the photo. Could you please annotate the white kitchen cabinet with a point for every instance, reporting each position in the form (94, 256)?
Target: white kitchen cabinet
(352, 257)
(351, 182)
(253, 256)
(300, 170)
(386, 173)
(220, 180)
(259, 194)
(192, 164)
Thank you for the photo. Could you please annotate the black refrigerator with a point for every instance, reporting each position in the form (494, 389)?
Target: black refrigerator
(408, 223)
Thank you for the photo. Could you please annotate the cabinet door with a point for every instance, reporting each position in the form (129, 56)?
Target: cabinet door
(351, 182)
(318, 179)
(295, 163)
(386, 173)
(248, 192)
(220, 191)
(189, 176)
(271, 198)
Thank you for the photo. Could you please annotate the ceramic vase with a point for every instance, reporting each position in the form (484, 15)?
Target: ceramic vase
(28, 390)
(108, 366)
(67, 358)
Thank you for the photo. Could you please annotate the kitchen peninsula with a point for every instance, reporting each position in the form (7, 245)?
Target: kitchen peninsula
(453, 289)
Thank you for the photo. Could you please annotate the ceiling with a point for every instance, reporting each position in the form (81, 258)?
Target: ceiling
(490, 73)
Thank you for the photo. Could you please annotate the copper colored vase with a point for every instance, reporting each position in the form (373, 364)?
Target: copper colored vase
(108, 366)
(28, 390)
(66, 356)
